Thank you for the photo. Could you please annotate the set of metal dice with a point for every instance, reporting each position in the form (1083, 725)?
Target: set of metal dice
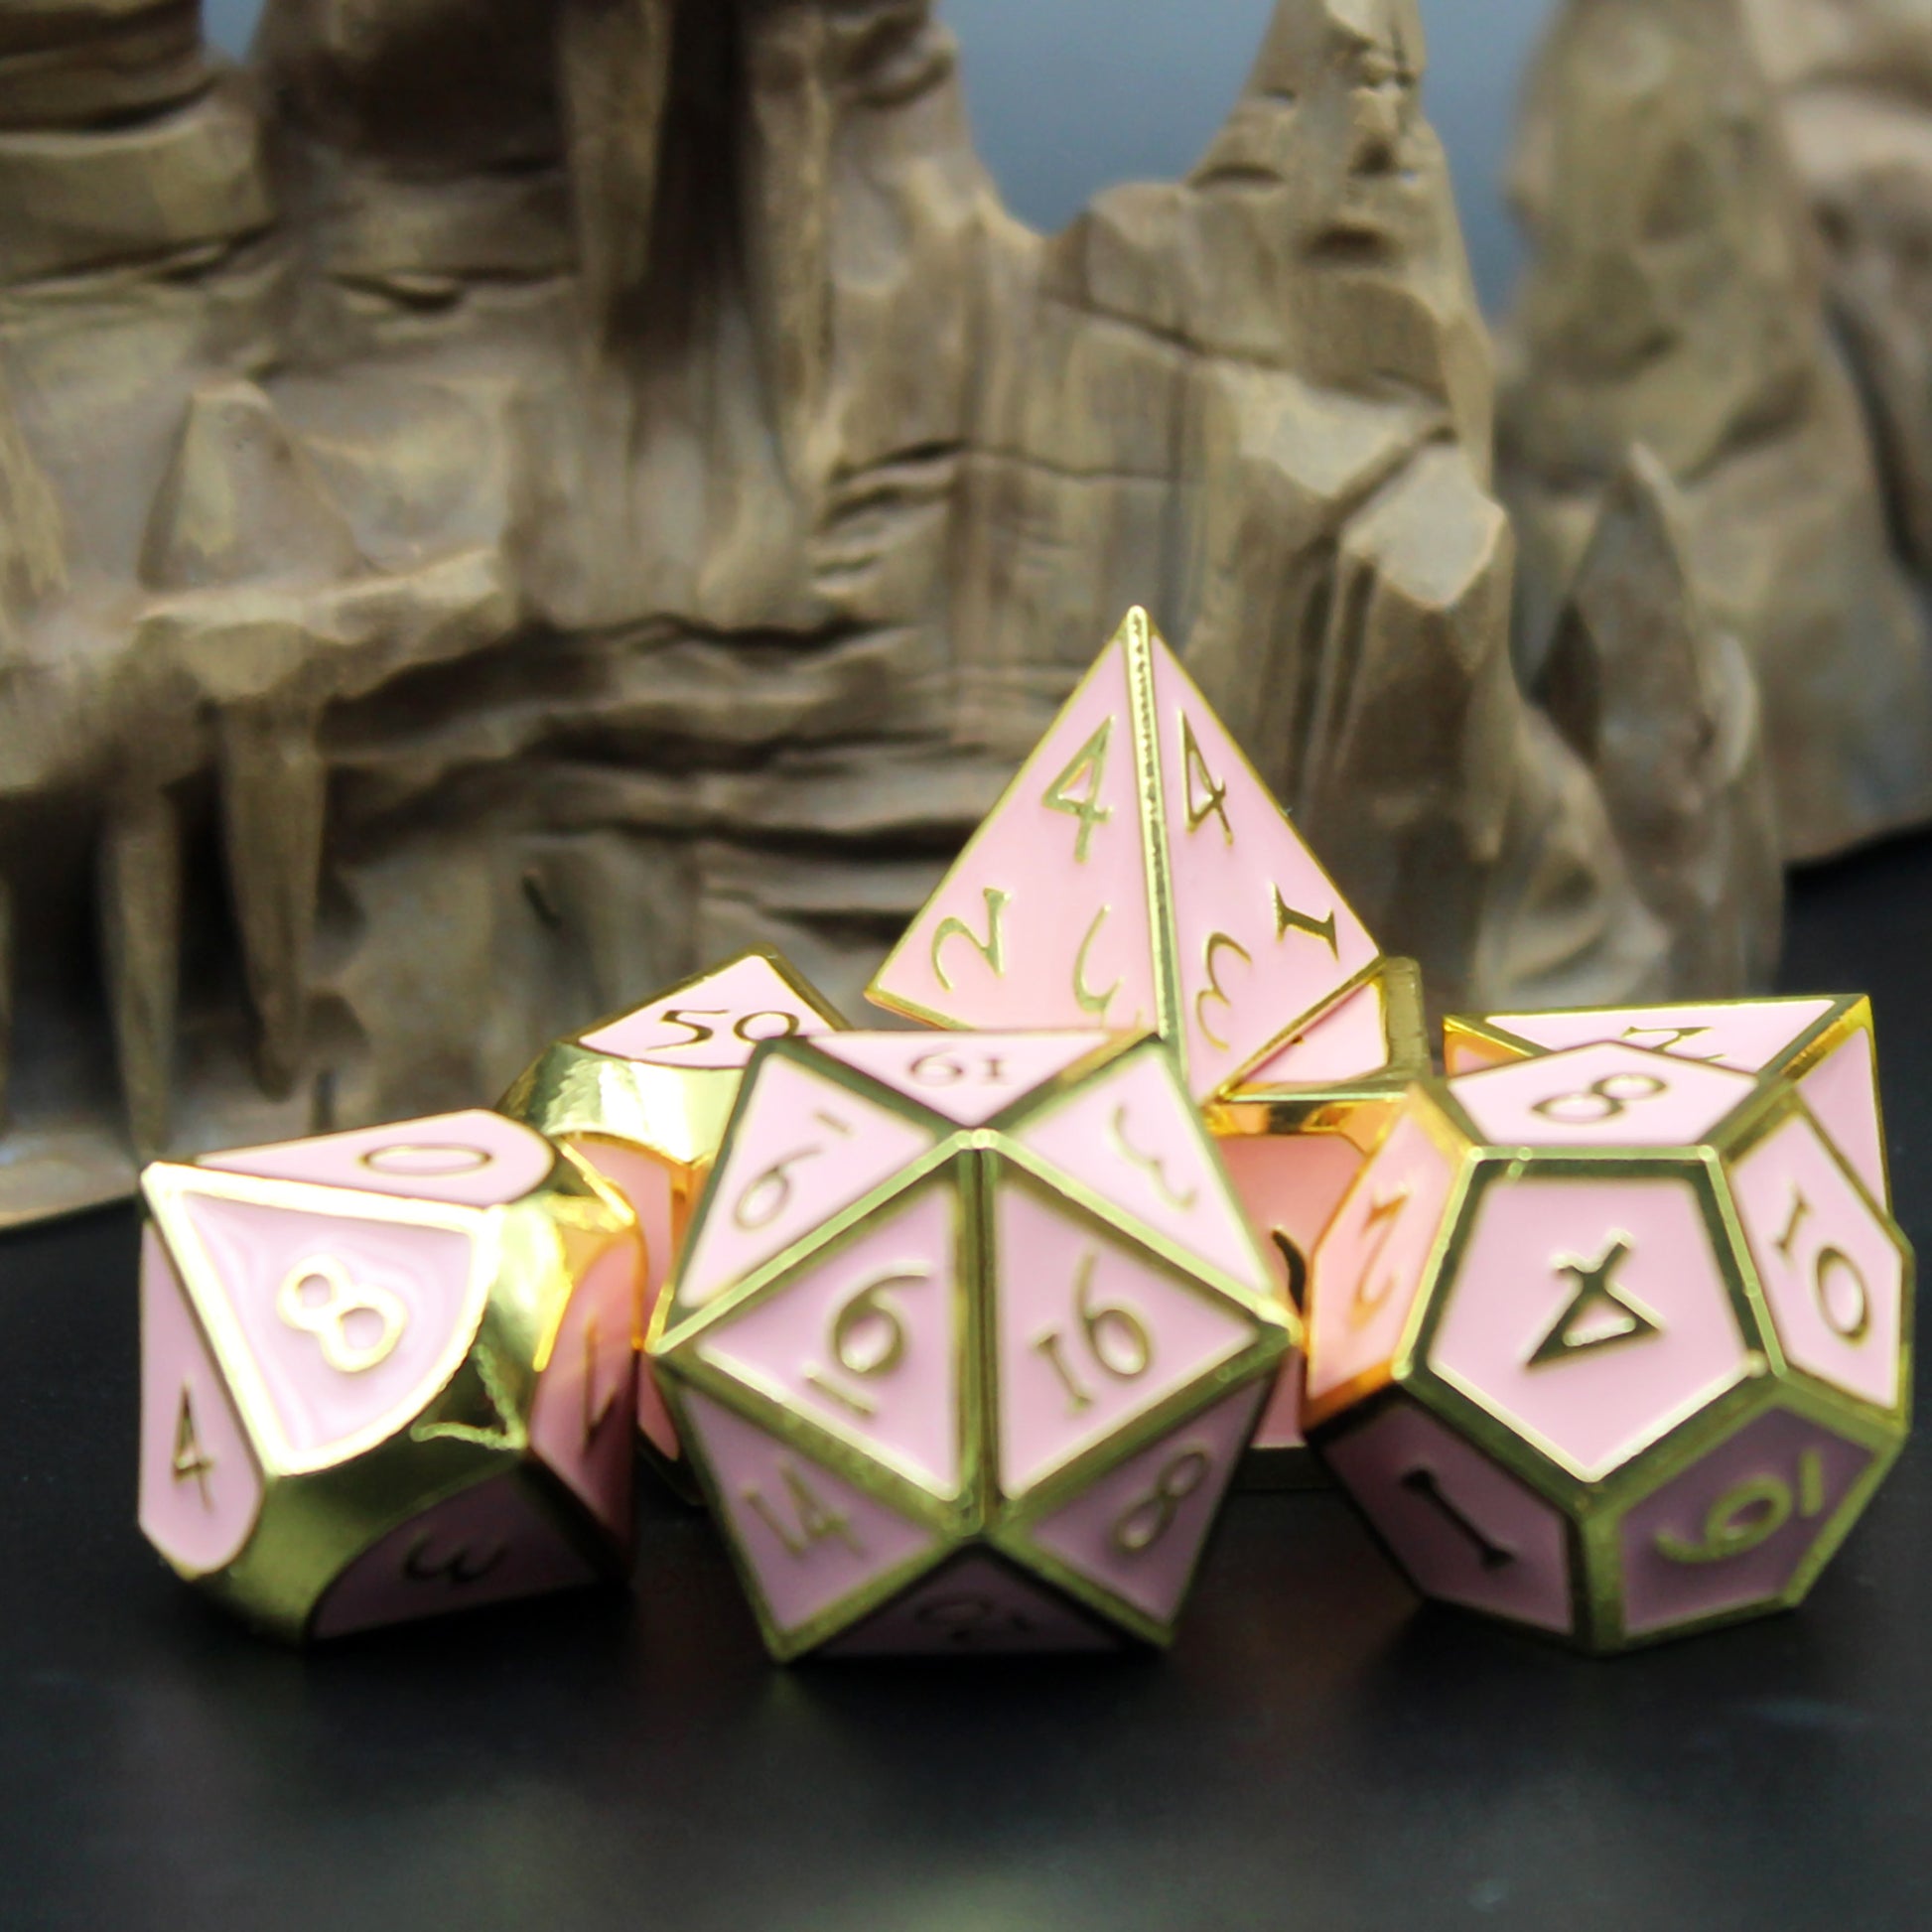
(964, 1336)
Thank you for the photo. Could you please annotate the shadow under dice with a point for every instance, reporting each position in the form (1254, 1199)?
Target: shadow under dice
(966, 1343)
(1294, 1136)
(388, 1373)
(1610, 1343)
(643, 1098)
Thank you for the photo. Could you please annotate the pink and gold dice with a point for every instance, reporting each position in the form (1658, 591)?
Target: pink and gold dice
(1824, 1046)
(1294, 1136)
(1138, 874)
(387, 1373)
(644, 1098)
(1611, 1343)
(966, 1341)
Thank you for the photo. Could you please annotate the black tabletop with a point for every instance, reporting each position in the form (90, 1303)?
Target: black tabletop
(1317, 1751)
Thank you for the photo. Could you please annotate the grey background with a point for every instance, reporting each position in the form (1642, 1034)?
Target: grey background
(1068, 95)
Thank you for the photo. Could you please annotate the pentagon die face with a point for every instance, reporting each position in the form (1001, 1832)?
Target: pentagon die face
(643, 1098)
(1295, 1135)
(966, 1343)
(387, 1373)
(1824, 1046)
(1136, 873)
(1610, 1343)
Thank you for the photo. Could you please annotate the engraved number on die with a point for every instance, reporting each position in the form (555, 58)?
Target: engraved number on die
(966, 1620)
(1602, 1101)
(750, 1027)
(1087, 766)
(191, 1462)
(768, 1194)
(1117, 1341)
(344, 1301)
(1155, 1166)
(868, 1341)
(1149, 1518)
(1750, 1514)
(812, 1519)
(952, 1069)
(992, 949)
(460, 1568)
(1384, 1213)
(1831, 1268)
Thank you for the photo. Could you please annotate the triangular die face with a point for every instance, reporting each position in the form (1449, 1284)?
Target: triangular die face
(201, 1488)
(1044, 921)
(1842, 1092)
(1093, 1334)
(1264, 937)
(968, 1081)
(1137, 1531)
(475, 1158)
(865, 1341)
(809, 1539)
(714, 1022)
(492, 1544)
(977, 1607)
(349, 1325)
(1348, 1042)
(804, 1147)
(1131, 1137)
(1746, 1035)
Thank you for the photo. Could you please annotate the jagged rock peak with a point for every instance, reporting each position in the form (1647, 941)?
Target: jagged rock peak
(241, 502)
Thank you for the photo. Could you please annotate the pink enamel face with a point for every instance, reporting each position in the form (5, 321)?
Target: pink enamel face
(809, 1537)
(1265, 938)
(1137, 1532)
(866, 1342)
(200, 1489)
(967, 1080)
(467, 1160)
(1834, 1276)
(1841, 1091)
(1133, 1138)
(804, 1147)
(978, 1606)
(1290, 1186)
(1348, 1042)
(1044, 921)
(1600, 1096)
(1369, 1266)
(489, 1544)
(1464, 1531)
(1746, 1036)
(349, 1325)
(1092, 1332)
(1590, 1315)
(716, 1024)
(586, 1401)
(1733, 1531)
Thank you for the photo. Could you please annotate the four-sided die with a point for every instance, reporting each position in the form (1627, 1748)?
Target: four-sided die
(387, 1373)
(644, 1097)
(966, 1341)
(1611, 1343)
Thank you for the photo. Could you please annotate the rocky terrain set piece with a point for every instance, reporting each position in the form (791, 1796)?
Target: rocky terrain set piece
(1675, 305)
(504, 504)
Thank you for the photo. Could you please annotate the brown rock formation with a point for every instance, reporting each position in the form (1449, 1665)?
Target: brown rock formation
(595, 491)
(1676, 302)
